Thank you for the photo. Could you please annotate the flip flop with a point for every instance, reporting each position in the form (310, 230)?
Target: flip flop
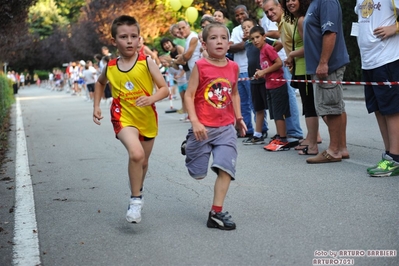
(319, 142)
(300, 147)
(304, 151)
(323, 157)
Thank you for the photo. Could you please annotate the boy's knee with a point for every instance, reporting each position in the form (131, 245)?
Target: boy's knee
(137, 157)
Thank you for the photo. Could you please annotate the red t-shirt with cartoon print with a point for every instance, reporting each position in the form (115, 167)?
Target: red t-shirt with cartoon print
(267, 57)
(213, 104)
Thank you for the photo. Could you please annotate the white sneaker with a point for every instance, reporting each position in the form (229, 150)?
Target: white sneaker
(133, 214)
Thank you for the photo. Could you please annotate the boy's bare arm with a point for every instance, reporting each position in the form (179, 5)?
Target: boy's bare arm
(99, 88)
(276, 66)
(162, 88)
(199, 129)
(189, 95)
(235, 97)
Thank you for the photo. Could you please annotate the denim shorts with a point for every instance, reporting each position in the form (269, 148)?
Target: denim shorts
(221, 143)
(329, 98)
(382, 98)
(182, 87)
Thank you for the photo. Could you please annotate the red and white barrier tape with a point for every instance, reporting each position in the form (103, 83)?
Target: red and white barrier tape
(386, 83)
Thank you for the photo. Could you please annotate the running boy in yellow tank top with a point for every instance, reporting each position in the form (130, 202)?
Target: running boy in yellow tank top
(133, 112)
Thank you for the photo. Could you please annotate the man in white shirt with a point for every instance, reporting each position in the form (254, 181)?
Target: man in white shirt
(192, 50)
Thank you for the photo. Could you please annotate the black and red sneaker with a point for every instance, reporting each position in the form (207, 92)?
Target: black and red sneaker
(221, 220)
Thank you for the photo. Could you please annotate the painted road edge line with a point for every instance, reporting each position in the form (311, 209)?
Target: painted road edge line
(26, 240)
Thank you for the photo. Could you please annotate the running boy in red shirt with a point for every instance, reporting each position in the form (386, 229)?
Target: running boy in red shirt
(213, 104)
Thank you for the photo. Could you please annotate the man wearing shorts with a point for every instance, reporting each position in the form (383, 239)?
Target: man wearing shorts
(326, 57)
(378, 41)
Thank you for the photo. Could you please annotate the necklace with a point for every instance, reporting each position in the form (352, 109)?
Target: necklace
(217, 59)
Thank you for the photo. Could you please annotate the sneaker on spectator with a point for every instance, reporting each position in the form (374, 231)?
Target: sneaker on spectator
(376, 166)
(277, 145)
(133, 214)
(386, 167)
(221, 220)
(254, 141)
(248, 141)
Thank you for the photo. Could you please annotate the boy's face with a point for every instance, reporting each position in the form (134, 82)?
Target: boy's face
(127, 40)
(217, 42)
(257, 39)
(246, 27)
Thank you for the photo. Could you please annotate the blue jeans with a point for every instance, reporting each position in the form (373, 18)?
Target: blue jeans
(292, 123)
(244, 90)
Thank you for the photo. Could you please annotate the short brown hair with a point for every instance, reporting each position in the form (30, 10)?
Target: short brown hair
(123, 20)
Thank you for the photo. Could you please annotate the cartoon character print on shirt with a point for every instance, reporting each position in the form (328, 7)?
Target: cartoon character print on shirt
(218, 93)
(264, 64)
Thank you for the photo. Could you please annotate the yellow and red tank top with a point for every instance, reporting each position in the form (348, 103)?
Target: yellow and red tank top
(127, 87)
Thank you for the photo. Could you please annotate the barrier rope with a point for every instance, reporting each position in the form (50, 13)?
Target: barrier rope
(386, 83)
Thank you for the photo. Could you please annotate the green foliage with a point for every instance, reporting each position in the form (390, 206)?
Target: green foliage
(43, 74)
(44, 18)
(70, 9)
(6, 97)
(353, 70)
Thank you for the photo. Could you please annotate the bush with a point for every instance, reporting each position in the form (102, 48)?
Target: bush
(6, 100)
(43, 74)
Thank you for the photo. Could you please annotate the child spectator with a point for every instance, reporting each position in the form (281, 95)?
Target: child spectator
(213, 104)
(258, 90)
(180, 77)
(277, 93)
(133, 112)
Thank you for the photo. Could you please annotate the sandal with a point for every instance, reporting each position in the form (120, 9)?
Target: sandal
(323, 157)
(301, 147)
(302, 140)
(304, 151)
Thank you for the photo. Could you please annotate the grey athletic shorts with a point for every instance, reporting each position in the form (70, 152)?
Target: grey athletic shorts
(329, 98)
(221, 143)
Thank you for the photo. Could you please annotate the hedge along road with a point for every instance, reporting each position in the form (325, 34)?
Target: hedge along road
(287, 212)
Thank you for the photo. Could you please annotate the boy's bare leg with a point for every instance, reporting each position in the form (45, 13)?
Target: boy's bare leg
(260, 116)
(281, 128)
(147, 146)
(138, 157)
(222, 184)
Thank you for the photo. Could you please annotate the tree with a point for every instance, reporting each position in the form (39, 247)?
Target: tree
(13, 14)
(44, 18)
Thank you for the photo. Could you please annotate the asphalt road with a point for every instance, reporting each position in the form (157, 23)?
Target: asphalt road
(287, 212)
